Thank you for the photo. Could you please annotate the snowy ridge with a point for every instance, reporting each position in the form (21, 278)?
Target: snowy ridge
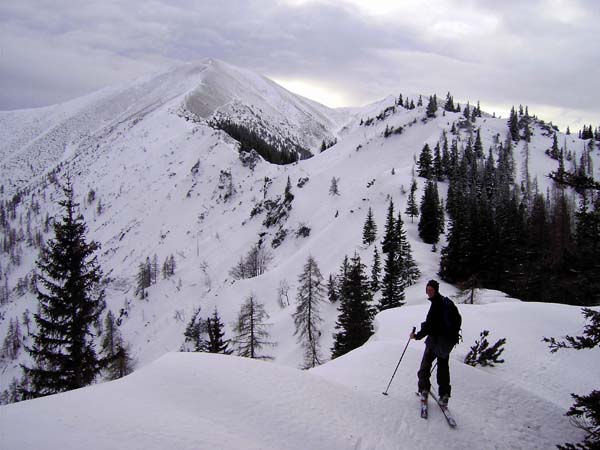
(257, 102)
(201, 401)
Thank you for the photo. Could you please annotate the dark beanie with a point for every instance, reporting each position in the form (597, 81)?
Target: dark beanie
(434, 284)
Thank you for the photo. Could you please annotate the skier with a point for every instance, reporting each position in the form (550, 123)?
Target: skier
(442, 328)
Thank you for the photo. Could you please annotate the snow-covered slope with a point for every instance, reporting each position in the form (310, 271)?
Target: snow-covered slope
(202, 401)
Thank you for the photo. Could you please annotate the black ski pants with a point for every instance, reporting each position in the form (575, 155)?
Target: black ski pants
(443, 373)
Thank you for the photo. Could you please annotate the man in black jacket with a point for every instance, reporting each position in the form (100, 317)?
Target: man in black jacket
(442, 328)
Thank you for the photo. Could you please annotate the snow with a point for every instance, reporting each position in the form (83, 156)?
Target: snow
(202, 401)
(131, 145)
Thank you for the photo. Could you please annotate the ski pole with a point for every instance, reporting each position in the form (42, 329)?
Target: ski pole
(398, 365)
(434, 366)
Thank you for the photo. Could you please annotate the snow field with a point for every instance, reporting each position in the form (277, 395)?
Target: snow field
(203, 401)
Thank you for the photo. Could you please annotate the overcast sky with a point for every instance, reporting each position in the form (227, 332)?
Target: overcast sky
(540, 53)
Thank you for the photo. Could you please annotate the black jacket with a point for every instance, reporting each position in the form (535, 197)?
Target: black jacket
(440, 338)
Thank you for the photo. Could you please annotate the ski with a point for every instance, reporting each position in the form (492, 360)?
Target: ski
(424, 407)
(446, 412)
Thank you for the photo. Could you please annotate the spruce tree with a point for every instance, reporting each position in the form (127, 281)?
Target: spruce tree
(369, 229)
(332, 289)
(585, 253)
(392, 292)
(168, 269)
(445, 156)
(251, 329)
(12, 341)
(388, 238)
(333, 188)
(194, 333)
(431, 107)
(307, 318)
(408, 271)
(527, 132)
(437, 167)
(449, 105)
(412, 210)
(513, 125)
(114, 350)
(355, 319)
(425, 163)
(430, 222)
(456, 256)
(507, 265)
(143, 278)
(216, 342)
(478, 148)
(70, 302)
(154, 270)
(376, 271)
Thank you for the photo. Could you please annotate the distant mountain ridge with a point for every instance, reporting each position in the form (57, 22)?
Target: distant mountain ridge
(261, 104)
(34, 141)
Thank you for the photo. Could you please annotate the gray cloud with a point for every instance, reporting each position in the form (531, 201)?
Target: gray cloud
(543, 53)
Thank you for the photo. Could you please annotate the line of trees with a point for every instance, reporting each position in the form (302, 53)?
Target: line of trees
(206, 335)
(399, 267)
(351, 289)
(255, 263)
(273, 151)
(510, 236)
(148, 273)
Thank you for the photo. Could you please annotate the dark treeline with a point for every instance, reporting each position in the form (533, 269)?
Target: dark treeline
(589, 133)
(250, 140)
(508, 236)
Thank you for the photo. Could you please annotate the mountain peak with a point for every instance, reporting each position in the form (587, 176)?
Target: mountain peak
(35, 141)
